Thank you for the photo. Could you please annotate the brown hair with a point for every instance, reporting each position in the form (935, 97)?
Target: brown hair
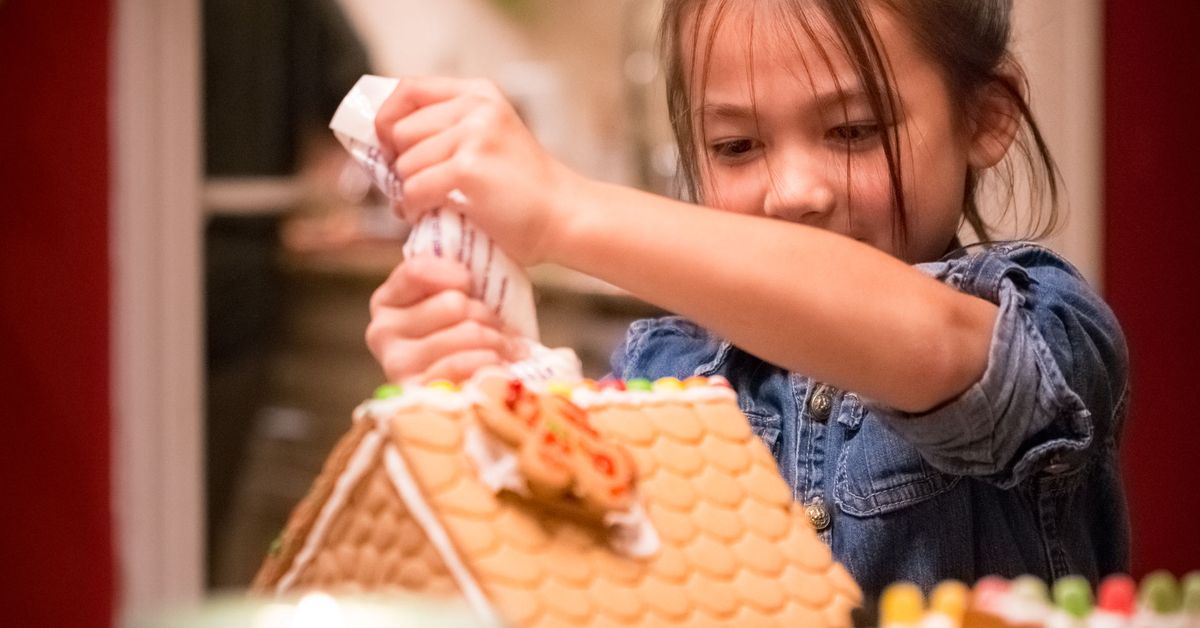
(967, 39)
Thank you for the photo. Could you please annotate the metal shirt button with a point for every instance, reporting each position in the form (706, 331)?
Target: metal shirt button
(818, 515)
(820, 403)
(1057, 466)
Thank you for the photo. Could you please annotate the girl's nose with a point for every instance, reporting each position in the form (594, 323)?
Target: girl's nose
(798, 196)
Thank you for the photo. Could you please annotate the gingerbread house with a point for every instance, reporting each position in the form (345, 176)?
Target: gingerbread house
(549, 505)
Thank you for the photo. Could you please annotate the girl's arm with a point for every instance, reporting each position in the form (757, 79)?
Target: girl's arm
(802, 298)
(805, 299)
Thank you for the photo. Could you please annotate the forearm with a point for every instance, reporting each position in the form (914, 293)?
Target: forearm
(805, 299)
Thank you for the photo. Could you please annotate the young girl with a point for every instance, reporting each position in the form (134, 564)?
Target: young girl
(942, 412)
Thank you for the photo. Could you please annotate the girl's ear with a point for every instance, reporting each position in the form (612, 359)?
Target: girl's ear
(995, 118)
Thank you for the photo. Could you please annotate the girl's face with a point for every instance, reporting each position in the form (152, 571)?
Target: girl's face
(786, 131)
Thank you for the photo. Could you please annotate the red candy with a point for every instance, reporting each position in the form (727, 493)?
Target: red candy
(615, 384)
(1118, 594)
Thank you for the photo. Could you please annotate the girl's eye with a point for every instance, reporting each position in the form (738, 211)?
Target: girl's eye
(733, 149)
(854, 134)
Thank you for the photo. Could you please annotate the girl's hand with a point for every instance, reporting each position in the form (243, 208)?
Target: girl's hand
(453, 134)
(425, 327)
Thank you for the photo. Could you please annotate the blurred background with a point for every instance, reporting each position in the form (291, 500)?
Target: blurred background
(190, 252)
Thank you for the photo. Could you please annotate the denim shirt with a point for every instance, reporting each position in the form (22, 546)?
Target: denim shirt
(1016, 475)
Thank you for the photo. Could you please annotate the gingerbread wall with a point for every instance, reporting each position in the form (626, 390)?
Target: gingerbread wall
(56, 554)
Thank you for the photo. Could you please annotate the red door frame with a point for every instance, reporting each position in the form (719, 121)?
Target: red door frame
(1152, 226)
(56, 530)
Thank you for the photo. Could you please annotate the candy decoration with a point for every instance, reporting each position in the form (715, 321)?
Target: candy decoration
(1160, 593)
(668, 384)
(989, 592)
(1117, 595)
(387, 391)
(615, 384)
(1030, 588)
(443, 385)
(1073, 595)
(562, 389)
(1191, 593)
(901, 604)
(949, 598)
(639, 384)
(695, 381)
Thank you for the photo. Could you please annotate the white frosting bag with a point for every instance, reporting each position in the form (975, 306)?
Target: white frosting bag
(495, 278)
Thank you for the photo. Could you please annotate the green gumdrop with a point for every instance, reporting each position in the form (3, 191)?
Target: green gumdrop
(1073, 595)
(387, 391)
(1191, 593)
(1160, 593)
(639, 383)
(1030, 588)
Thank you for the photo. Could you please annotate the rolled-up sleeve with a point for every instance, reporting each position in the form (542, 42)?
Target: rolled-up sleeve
(669, 346)
(1056, 374)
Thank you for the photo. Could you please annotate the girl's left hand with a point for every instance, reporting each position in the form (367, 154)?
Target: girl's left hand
(453, 134)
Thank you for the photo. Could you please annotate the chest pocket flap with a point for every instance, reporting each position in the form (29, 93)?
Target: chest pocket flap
(879, 472)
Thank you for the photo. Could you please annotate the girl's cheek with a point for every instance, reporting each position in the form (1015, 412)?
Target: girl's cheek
(736, 192)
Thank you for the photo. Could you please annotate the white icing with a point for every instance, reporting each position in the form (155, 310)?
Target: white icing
(630, 532)
(497, 465)
(545, 364)
(582, 396)
(397, 470)
(587, 398)
(358, 465)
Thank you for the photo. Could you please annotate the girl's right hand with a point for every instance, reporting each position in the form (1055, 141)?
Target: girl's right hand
(425, 327)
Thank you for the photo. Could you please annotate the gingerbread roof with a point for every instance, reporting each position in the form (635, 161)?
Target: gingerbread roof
(401, 506)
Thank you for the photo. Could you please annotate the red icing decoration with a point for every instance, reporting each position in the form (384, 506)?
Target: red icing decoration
(604, 464)
(515, 389)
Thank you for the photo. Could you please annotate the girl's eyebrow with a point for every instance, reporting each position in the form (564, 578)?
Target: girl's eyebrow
(831, 99)
(725, 111)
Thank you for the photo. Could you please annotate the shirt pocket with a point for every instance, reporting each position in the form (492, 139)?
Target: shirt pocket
(878, 472)
(768, 428)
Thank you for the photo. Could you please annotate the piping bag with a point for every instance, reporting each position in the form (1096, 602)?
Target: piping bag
(495, 278)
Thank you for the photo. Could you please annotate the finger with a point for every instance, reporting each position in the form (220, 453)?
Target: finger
(429, 121)
(418, 278)
(429, 188)
(440, 311)
(429, 152)
(411, 94)
(408, 357)
(460, 366)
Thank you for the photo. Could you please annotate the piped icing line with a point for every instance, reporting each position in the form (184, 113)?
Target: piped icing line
(586, 398)
(397, 470)
(716, 389)
(358, 465)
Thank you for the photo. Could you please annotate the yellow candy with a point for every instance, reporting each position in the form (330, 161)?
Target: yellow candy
(949, 598)
(901, 604)
(562, 389)
(668, 384)
(444, 385)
